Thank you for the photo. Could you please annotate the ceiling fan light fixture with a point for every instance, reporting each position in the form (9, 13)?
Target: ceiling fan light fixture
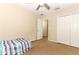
(57, 8)
(43, 5)
(41, 14)
(46, 6)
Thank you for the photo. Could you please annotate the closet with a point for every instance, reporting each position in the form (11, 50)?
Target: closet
(68, 30)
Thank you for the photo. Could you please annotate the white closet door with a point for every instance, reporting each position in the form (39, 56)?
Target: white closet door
(63, 30)
(75, 30)
(39, 29)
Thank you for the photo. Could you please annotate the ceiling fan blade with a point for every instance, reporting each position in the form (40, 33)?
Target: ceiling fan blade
(46, 6)
(38, 7)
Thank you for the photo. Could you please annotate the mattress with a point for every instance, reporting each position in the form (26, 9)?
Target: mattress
(14, 47)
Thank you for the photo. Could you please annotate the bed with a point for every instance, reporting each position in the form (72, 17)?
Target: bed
(14, 47)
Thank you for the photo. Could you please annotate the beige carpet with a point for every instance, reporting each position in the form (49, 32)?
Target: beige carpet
(45, 47)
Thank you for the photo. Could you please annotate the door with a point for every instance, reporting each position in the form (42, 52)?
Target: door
(39, 29)
(68, 30)
(63, 30)
(75, 30)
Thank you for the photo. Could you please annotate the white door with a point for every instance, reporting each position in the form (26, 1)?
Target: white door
(75, 31)
(63, 30)
(39, 29)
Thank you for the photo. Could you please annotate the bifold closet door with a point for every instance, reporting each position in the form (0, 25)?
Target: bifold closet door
(68, 30)
(63, 30)
(75, 30)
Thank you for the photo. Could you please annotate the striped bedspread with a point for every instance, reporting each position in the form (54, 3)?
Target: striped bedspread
(14, 47)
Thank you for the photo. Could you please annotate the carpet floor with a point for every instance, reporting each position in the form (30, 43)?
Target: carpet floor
(45, 47)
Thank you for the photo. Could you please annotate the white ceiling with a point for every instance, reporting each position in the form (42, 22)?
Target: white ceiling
(43, 10)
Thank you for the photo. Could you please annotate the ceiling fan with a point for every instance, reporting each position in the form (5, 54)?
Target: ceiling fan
(44, 5)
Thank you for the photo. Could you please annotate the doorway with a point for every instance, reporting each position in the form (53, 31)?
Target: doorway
(42, 28)
(45, 28)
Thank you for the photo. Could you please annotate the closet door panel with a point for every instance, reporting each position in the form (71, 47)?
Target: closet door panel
(75, 31)
(63, 30)
(60, 29)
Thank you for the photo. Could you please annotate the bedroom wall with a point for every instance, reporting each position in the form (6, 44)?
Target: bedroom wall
(52, 20)
(16, 21)
(51, 26)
